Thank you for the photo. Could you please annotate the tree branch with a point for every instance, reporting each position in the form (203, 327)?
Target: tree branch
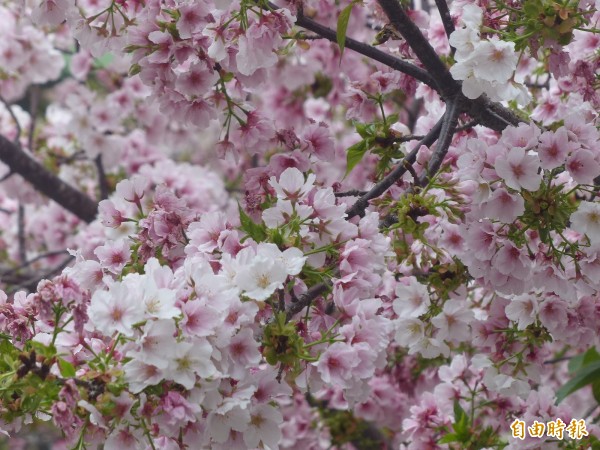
(306, 299)
(46, 182)
(350, 193)
(102, 181)
(361, 204)
(446, 85)
(367, 50)
(450, 121)
(17, 139)
(21, 233)
(32, 261)
(31, 283)
(442, 7)
(489, 114)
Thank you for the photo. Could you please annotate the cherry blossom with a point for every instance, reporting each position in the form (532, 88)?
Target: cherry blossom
(238, 225)
(586, 220)
(519, 170)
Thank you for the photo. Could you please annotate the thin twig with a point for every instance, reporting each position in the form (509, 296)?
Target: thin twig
(361, 204)
(350, 193)
(31, 283)
(46, 182)
(442, 7)
(33, 260)
(102, 181)
(21, 233)
(450, 120)
(17, 139)
(34, 93)
(366, 50)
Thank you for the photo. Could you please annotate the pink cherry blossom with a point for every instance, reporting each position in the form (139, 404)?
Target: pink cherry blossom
(519, 170)
(504, 206)
(586, 220)
(582, 166)
(115, 310)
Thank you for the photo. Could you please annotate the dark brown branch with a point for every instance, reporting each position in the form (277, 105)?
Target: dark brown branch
(34, 93)
(8, 107)
(489, 114)
(32, 261)
(102, 181)
(46, 182)
(450, 120)
(442, 7)
(351, 193)
(31, 283)
(21, 233)
(390, 179)
(445, 84)
(306, 299)
(367, 50)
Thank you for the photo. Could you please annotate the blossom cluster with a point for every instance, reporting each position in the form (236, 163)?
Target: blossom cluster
(240, 286)
(484, 65)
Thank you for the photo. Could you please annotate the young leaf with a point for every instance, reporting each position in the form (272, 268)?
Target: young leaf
(451, 437)
(583, 359)
(342, 27)
(461, 423)
(588, 374)
(252, 229)
(596, 390)
(365, 130)
(355, 154)
(67, 369)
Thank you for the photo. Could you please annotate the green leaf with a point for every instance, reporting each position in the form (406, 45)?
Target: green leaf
(365, 130)
(104, 61)
(134, 70)
(41, 349)
(342, 27)
(576, 363)
(355, 154)
(596, 390)
(252, 229)
(461, 423)
(392, 118)
(67, 369)
(532, 9)
(451, 437)
(583, 359)
(459, 412)
(586, 375)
